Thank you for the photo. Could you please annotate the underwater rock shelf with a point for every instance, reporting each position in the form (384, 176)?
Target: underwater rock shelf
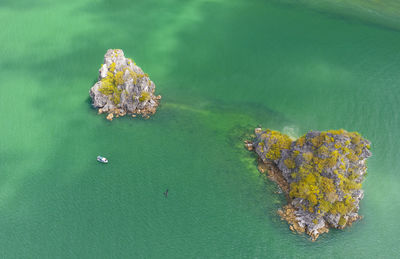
(123, 88)
(321, 174)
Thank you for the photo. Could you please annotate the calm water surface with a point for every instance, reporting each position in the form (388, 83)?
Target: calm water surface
(223, 67)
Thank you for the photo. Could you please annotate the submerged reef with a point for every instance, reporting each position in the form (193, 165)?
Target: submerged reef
(123, 88)
(321, 174)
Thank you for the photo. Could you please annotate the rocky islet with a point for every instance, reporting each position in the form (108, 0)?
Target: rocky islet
(123, 88)
(321, 174)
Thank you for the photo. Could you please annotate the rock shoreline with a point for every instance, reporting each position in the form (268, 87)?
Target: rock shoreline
(320, 173)
(123, 88)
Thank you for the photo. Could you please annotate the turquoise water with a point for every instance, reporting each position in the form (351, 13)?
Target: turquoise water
(223, 67)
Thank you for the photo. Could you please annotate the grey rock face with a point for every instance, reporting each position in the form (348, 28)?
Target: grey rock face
(123, 87)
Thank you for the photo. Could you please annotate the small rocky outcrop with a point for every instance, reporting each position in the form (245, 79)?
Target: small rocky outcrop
(123, 88)
(321, 174)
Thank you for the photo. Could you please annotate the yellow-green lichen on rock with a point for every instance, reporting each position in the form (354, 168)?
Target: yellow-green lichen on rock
(324, 170)
(144, 96)
(271, 144)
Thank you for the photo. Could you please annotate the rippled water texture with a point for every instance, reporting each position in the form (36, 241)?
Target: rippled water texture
(223, 67)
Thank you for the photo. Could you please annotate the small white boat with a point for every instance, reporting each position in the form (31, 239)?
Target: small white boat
(102, 159)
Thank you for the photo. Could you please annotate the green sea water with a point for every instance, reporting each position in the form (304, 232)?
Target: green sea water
(222, 67)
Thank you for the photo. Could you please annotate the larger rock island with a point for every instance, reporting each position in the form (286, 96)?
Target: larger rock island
(123, 88)
(321, 174)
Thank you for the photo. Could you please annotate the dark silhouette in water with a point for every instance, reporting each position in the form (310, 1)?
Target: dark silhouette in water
(166, 193)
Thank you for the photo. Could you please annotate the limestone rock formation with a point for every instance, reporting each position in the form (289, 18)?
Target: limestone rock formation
(322, 174)
(123, 88)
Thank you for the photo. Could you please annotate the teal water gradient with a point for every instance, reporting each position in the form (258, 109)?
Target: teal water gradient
(223, 67)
